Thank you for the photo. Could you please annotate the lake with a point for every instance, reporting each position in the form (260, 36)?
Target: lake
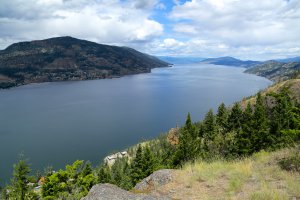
(57, 123)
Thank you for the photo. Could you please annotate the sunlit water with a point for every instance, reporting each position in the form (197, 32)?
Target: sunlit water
(57, 123)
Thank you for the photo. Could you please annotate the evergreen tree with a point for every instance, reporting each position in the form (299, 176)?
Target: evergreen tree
(20, 178)
(126, 182)
(283, 119)
(104, 175)
(186, 149)
(149, 162)
(244, 145)
(137, 166)
(261, 139)
(117, 172)
(235, 117)
(87, 169)
(211, 137)
(222, 117)
(209, 125)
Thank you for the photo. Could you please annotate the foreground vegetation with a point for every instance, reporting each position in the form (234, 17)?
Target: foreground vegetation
(270, 122)
(257, 177)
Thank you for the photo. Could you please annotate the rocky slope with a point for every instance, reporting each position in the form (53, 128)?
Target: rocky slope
(67, 58)
(112, 192)
(275, 71)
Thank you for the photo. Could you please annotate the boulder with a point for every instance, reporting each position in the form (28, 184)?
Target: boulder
(157, 179)
(112, 192)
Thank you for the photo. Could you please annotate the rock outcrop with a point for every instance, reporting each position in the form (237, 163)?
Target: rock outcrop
(142, 191)
(157, 179)
(112, 192)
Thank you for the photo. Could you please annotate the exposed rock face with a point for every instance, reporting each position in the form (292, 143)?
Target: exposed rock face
(67, 58)
(112, 192)
(157, 179)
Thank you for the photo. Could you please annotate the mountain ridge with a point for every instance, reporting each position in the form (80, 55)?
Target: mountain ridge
(231, 61)
(275, 71)
(67, 58)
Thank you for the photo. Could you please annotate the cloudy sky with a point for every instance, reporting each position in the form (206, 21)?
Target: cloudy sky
(252, 29)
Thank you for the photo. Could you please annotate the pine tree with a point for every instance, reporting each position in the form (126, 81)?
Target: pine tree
(87, 169)
(235, 117)
(126, 182)
(104, 175)
(244, 145)
(261, 139)
(209, 125)
(137, 166)
(186, 149)
(283, 119)
(149, 162)
(20, 178)
(222, 117)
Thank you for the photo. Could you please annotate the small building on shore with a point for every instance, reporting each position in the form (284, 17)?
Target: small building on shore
(110, 160)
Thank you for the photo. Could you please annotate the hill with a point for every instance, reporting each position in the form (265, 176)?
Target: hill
(230, 61)
(181, 60)
(275, 71)
(67, 58)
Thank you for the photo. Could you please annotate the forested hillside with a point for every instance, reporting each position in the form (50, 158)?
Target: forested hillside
(68, 58)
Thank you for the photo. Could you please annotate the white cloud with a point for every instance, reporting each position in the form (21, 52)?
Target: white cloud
(253, 29)
(171, 43)
(161, 6)
(103, 21)
(144, 4)
(236, 24)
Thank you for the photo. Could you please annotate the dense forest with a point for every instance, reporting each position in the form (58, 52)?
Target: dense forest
(271, 122)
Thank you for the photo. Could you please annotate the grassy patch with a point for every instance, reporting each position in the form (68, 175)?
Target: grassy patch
(291, 163)
(257, 177)
(269, 195)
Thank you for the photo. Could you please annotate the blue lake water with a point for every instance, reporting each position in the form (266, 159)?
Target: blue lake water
(57, 123)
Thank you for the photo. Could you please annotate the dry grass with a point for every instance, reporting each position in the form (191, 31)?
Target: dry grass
(257, 178)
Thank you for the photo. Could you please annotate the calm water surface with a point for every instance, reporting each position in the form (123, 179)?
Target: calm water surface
(57, 123)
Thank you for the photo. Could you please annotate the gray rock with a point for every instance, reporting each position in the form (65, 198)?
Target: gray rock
(112, 192)
(158, 178)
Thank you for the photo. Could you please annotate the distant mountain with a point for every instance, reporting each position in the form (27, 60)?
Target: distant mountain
(230, 61)
(276, 71)
(181, 60)
(67, 58)
(294, 59)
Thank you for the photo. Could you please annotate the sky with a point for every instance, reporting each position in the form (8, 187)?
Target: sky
(246, 29)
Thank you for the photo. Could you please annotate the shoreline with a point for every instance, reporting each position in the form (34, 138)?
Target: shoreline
(79, 79)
